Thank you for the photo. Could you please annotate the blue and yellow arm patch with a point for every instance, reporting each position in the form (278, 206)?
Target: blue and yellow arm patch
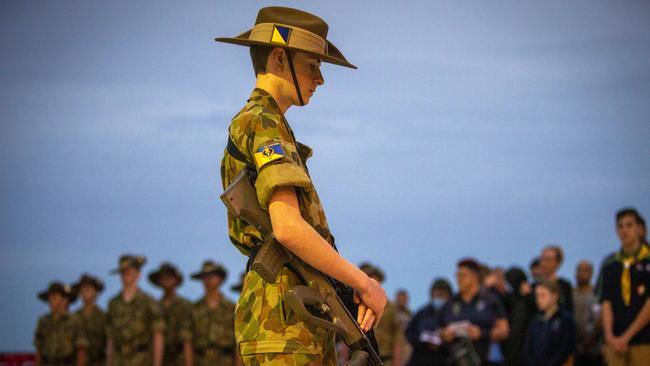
(267, 154)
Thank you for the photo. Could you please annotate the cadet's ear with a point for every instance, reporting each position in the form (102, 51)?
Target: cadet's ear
(277, 60)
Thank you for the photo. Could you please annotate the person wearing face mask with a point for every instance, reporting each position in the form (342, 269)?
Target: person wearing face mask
(422, 330)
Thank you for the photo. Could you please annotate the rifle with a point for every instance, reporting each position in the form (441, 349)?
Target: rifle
(316, 302)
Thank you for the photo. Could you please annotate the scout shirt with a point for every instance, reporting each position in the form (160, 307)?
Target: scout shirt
(263, 323)
(57, 339)
(93, 326)
(213, 337)
(132, 326)
(178, 329)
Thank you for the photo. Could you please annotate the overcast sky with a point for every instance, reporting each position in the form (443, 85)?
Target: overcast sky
(470, 128)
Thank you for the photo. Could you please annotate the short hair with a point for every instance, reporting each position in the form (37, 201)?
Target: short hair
(402, 291)
(559, 254)
(534, 263)
(630, 211)
(441, 284)
(551, 286)
(259, 57)
(470, 264)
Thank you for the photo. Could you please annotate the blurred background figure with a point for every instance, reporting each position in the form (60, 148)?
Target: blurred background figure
(550, 262)
(135, 321)
(423, 331)
(626, 295)
(535, 270)
(177, 312)
(213, 320)
(520, 307)
(58, 338)
(389, 332)
(552, 333)
(495, 282)
(403, 317)
(473, 313)
(587, 318)
(91, 318)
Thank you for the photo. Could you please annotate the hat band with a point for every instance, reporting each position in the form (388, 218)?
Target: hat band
(296, 37)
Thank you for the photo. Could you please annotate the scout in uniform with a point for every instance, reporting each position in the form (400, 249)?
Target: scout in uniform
(626, 296)
(287, 47)
(389, 332)
(135, 320)
(213, 320)
(91, 318)
(178, 316)
(58, 339)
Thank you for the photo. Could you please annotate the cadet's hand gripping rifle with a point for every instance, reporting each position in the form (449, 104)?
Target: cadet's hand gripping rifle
(318, 294)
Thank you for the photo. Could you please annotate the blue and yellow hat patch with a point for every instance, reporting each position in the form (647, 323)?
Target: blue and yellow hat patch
(267, 154)
(280, 34)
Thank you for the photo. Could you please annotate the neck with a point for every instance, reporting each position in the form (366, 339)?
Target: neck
(169, 295)
(88, 305)
(278, 88)
(632, 248)
(129, 292)
(550, 311)
(584, 286)
(58, 312)
(469, 293)
(212, 294)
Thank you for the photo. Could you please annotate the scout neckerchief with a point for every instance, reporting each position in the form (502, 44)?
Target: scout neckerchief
(628, 261)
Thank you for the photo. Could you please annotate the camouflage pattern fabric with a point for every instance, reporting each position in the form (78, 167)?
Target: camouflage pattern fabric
(132, 325)
(93, 326)
(213, 333)
(178, 329)
(263, 324)
(388, 333)
(57, 339)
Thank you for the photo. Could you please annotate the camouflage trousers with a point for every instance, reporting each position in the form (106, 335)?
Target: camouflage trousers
(132, 359)
(269, 333)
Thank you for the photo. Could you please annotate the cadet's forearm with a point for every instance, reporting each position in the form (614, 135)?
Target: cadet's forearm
(188, 354)
(500, 330)
(158, 348)
(82, 357)
(608, 320)
(292, 231)
(109, 351)
(639, 322)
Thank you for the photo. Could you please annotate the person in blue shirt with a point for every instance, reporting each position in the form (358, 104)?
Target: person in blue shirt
(422, 331)
(473, 313)
(551, 339)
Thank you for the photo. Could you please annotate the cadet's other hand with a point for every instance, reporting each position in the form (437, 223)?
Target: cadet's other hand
(618, 344)
(374, 297)
(474, 332)
(365, 316)
(447, 335)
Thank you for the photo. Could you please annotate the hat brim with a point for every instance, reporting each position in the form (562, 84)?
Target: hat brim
(97, 285)
(333, 55)
(154, 278)
(199, 275)
(43, 295)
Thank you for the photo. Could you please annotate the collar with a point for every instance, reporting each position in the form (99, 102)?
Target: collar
(642, 253)
(263, 98)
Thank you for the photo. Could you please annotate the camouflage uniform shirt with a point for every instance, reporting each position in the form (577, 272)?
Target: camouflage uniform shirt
(131, 325)
(57, 339)
(263, 323)
(213, 333)
(93, 327)
(178, 329)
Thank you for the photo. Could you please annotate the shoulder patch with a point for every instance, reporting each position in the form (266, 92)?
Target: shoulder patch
(267, 154)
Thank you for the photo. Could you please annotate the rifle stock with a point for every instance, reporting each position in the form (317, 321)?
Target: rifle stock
(316, 302)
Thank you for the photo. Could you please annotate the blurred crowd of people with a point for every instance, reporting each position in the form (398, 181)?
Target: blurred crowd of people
(497, 316)
(507, 317)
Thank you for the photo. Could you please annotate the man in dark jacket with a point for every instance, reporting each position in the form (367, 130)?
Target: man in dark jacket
(422, 331)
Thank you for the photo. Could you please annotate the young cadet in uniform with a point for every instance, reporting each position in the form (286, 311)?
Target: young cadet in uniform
(389, 332)
(551, 338)
(178, 316)
(626, 297)
(92, 318)
(287, 47)
(474, 311)
(58, 339)
(135, 320)
(213, 320)
(550, 262)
